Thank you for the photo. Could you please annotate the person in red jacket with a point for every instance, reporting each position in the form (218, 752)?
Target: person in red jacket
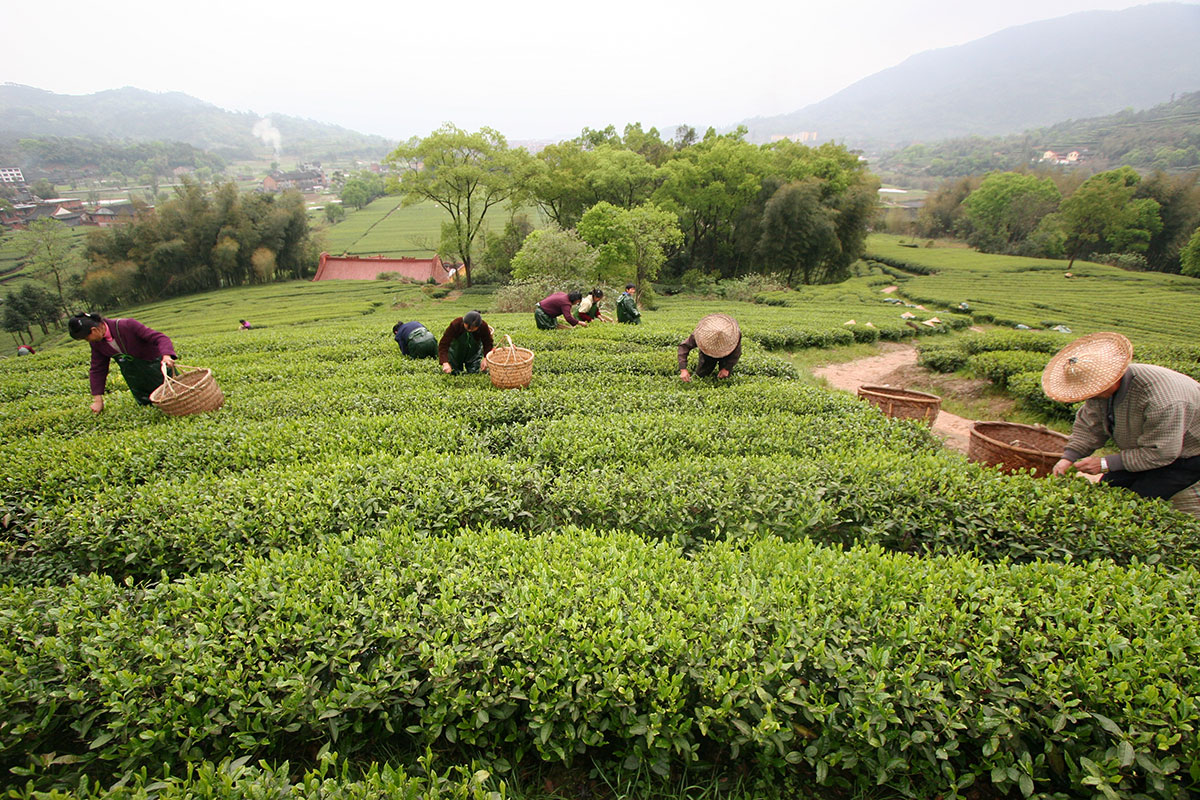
(140, 353)
(547, 312)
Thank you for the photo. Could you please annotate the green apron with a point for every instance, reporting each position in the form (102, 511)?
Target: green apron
(543, 320)
(421, 344)
(465, 354)
(141, 376)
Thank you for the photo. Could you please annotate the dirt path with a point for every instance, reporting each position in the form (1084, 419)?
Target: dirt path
(895, 366)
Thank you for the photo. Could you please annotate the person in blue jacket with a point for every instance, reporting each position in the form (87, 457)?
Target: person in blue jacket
(415, 340)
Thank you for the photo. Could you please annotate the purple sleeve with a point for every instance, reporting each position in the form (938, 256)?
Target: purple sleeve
(98, 374)
(155, 342)
(567, 314)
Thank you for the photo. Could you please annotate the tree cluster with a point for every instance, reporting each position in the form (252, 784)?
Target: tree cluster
(29, 306)
(197, 241)
(72, 159)
(361, 188)
(740, 208)
(1115, 213)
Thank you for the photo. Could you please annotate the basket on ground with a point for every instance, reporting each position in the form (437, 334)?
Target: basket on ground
(510, 367)
(902, 403)
(189, 391)
(1012, 446)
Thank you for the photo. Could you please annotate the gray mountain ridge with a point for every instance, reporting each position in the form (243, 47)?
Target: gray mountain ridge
(1082, 65)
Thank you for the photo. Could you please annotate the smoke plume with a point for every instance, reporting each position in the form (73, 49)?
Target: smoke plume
(269, 134)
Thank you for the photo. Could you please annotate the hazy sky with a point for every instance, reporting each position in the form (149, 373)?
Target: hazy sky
(531, 68)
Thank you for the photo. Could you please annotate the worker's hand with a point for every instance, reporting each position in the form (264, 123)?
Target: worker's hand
(685, 376)
(97, 405)
(168, 361)
(582, 324)
(446, 369)
(1090, 465)
(1062, 466)
(483, 365)
(722, 373)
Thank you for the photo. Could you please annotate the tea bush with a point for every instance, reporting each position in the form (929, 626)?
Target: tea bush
(359, 554)
(855, 667)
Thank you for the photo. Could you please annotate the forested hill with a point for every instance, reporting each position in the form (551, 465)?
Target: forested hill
(135, 114)
(1082, 65)
(1166, 137)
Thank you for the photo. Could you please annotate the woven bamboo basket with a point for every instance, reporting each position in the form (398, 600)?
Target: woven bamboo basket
(1012, 446)
(510, 367)
(902, 403)
(190, 391)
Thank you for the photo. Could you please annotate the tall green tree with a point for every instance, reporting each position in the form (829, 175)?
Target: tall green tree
(1007, 208)
(1190, 256)
(1103, 216)
(467, 174)
(49, 251)
(707, 186)
(1178, 198)
(799, 232)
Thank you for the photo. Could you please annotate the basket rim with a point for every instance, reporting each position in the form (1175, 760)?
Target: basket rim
(902, 394)
(1017, 448)
(520, 360)
(166, 391)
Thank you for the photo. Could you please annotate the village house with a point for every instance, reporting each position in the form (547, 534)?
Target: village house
(301, 180)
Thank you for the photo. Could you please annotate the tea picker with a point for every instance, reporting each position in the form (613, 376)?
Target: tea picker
(719, 341)
(464, 345)
(415, 340)
(1151, 413)
(549, 309)
(142, 354)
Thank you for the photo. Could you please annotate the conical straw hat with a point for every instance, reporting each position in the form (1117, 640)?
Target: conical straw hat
(1086, 367)
(717, 335)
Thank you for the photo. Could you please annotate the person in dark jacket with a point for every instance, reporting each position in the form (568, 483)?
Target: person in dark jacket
(719, 341)
(627, 310)
(415, 340)
(551, 308)
(140, 352)
(465, 345)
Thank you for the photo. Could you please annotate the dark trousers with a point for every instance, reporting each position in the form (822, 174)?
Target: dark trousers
(706, 364)
(1161, 482)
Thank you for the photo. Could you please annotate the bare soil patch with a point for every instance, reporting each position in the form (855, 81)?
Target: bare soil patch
(896, 366)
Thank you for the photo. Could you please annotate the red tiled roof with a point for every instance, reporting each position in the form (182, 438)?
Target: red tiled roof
(365, 268)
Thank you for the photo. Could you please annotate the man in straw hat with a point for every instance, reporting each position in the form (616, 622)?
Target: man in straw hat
(1151, 413)
(720, 343)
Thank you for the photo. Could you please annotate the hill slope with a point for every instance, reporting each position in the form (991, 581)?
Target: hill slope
(1081, 65)
(136, 114)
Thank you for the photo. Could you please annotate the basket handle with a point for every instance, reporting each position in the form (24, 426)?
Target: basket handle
(177, 367)
(512, 350)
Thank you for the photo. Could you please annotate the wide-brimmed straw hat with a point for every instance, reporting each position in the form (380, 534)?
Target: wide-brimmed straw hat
(1086, 367)
(717, 335)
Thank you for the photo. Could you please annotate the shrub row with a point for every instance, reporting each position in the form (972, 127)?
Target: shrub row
(857, 668)
(824, 486)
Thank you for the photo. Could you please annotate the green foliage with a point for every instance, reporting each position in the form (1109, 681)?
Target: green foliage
(1190, 257)
(552, 254)
(611, 570)
(477, 644)
(1006, 209)
(200, 240)
(466, 174)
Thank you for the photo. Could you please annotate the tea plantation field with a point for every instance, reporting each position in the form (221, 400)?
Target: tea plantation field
(363, 578)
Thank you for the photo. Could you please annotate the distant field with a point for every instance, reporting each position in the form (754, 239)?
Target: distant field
(384, 228)
(1149, 307)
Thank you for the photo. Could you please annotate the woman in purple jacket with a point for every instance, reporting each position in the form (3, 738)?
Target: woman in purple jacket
(140, 352)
